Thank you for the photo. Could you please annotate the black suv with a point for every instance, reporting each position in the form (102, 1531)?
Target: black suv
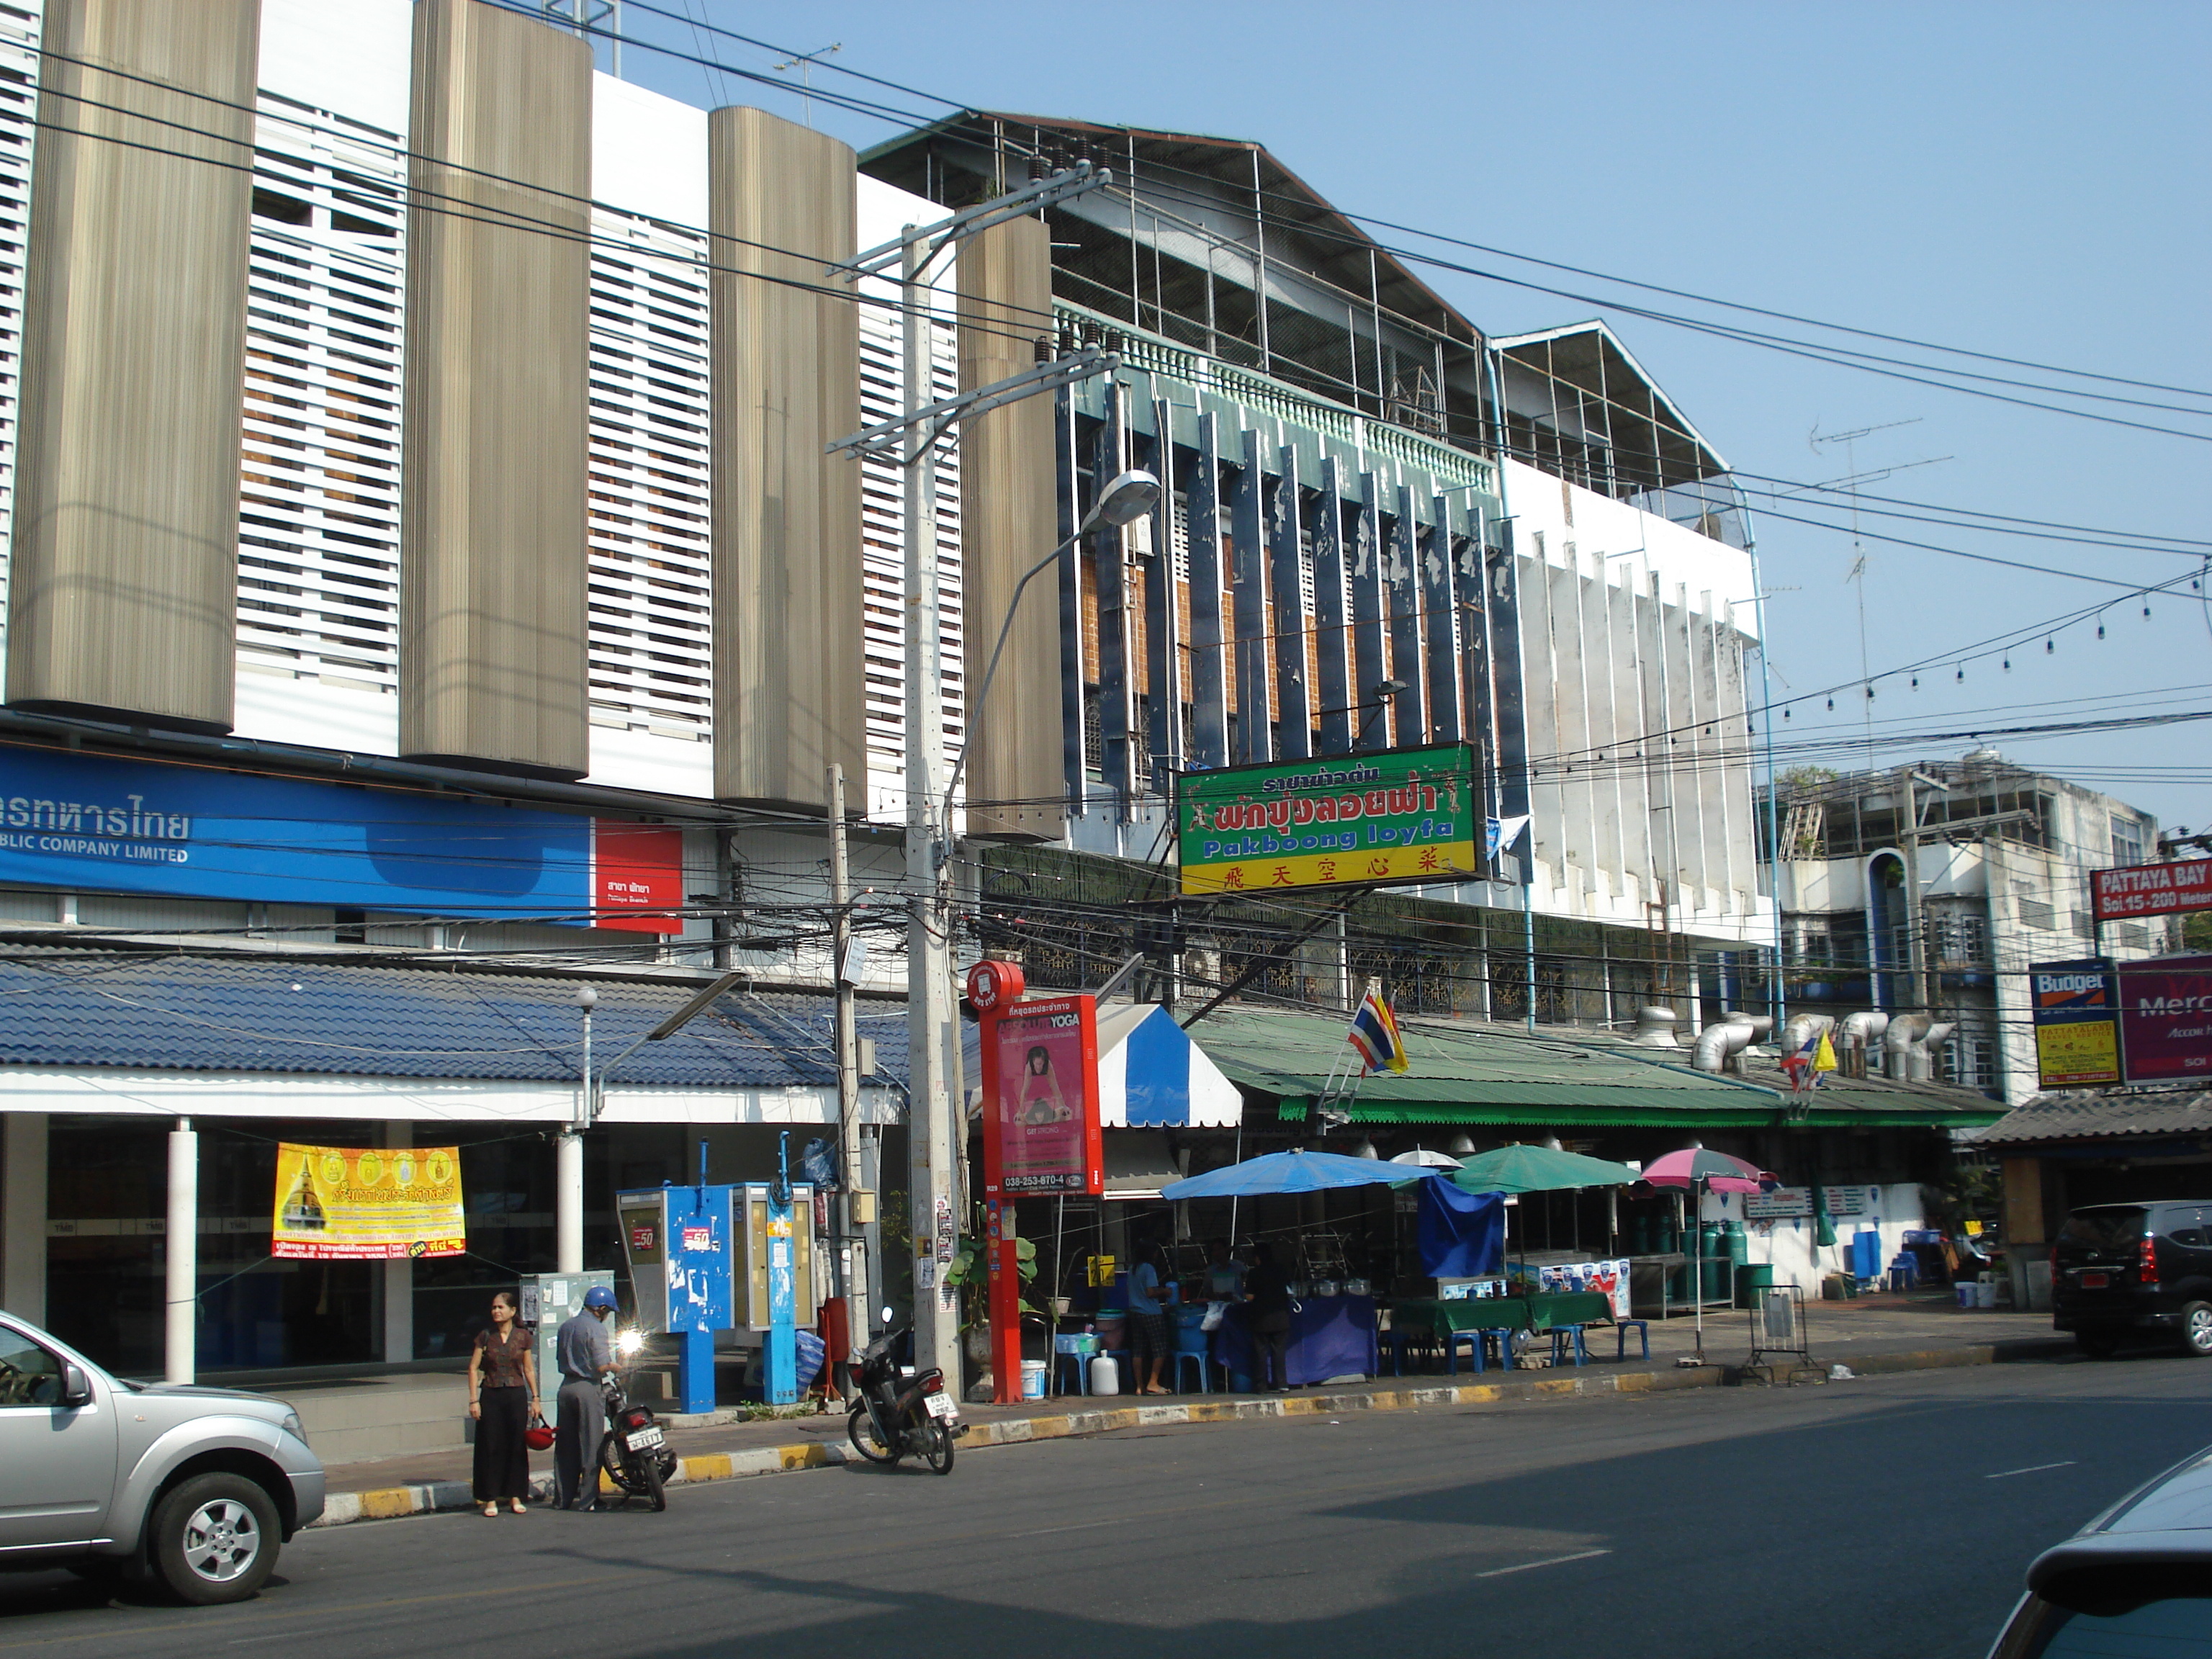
(2121, 1267)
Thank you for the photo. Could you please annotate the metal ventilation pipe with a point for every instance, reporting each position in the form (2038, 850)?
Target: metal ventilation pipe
(1802, 1028)
(1716, 1043)
(1654, 1027)
(1908, 1045)
(1760, 1024)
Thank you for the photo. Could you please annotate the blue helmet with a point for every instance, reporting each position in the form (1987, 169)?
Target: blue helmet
(598, 1297)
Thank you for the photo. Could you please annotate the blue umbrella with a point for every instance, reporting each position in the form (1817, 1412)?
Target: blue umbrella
(1292, 1171)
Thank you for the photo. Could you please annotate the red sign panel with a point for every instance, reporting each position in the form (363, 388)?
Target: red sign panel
(2166, 1020)
(1040, 1099)
(2152, 889)
(637, 877)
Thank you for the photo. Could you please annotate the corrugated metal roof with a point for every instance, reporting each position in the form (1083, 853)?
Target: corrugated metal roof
(1473, 1074)
(250, 1013)
(2098, 1117)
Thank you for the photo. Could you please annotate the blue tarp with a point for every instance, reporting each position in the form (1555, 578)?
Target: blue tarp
(1462, 1234)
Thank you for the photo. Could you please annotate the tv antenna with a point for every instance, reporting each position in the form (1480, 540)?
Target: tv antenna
(804, 63)
(1857, 573)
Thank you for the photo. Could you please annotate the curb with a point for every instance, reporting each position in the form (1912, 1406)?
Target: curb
(390, 1503)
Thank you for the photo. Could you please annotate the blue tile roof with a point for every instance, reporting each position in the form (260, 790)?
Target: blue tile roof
(243, 1013)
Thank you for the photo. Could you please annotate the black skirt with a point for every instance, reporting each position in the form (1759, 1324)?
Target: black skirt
(502, 1469)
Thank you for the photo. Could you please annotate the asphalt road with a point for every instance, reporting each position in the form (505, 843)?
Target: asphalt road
(1886, 1516)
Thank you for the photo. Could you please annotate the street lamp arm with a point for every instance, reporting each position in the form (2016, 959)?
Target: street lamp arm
(595, 1082)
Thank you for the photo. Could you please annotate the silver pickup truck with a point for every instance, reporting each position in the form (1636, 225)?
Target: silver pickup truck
(197, 1488)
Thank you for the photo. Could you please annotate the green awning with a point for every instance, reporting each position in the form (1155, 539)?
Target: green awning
(1480, 1074)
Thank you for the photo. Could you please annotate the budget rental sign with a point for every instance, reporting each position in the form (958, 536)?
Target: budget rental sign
(1400, 815)
(2076, 1013)
(2153, 890)
(2166, 1020)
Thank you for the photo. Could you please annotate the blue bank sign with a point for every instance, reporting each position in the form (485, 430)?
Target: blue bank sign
(87, 821)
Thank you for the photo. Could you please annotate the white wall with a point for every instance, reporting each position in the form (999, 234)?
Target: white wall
(1788, 1244)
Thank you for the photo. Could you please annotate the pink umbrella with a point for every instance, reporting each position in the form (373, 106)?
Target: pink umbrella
(1714, 1171)
(1703, 1171)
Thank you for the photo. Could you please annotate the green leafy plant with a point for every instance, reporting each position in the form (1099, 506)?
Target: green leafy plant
(971, 1273)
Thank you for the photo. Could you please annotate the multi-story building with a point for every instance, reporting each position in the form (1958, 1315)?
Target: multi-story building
(1959, 874)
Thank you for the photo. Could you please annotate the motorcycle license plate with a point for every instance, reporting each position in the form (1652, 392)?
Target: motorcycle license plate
(2095, 1281)
(643, 1440)
(937, 1405)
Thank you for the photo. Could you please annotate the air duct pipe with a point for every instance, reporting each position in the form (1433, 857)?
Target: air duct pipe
(1908, 1045)
(1716, 1044)
(1802, 1028)
(1857, 1034)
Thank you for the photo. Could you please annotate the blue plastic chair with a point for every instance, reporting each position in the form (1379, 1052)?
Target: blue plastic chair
(1191, 1342)
(1621, 1328)
(1567, 1339)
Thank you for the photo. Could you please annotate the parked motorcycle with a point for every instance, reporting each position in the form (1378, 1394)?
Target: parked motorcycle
(895, 1416)
(634, 1451)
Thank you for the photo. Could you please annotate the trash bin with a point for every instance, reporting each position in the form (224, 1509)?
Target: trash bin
(1752, 1279)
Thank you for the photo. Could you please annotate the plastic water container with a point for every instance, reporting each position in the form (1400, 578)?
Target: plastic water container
(1033, 1379)
(1105, 1375)
(1985, 1293)
(1965, 1287)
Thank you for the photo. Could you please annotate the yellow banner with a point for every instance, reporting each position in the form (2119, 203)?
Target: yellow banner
(1442, 860)
(367, 1204)
(2077, 1053)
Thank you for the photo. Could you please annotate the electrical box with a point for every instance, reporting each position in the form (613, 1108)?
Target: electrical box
(754, 1248)
(550, 1301)
(677, 1243)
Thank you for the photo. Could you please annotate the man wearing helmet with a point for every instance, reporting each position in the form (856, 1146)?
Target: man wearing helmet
(584, 1356)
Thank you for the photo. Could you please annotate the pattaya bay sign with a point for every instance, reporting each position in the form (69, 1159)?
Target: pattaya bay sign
(1404, 815)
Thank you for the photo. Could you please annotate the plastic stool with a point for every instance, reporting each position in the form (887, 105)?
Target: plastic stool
(1643, 1329)
(1082, 1363)
(1182, 1354)
(1567, 1339)
(1503, 1338)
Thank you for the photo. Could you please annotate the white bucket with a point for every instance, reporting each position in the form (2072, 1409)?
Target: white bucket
(1965, 1290)
(1985, 1293)
(1105, 1375)
(1033, 1379)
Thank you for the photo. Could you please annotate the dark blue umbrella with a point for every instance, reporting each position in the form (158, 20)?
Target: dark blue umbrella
(1292, 1171)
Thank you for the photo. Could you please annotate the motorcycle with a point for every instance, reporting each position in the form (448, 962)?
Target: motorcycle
(895, 1416)
(634, 1451)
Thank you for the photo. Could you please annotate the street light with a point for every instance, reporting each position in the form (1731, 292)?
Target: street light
(1128, 496)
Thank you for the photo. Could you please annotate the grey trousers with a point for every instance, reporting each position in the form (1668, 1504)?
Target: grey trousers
(582, 1423)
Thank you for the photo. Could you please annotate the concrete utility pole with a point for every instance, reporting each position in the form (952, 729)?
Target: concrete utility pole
(848, 1052)
(936, 1125)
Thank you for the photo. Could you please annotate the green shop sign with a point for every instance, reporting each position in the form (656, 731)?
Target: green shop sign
(1402, 815)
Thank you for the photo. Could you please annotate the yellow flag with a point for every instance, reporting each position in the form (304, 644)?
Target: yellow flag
(1824, 1057)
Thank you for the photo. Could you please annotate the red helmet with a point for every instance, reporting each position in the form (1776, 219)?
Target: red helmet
(538, 1438)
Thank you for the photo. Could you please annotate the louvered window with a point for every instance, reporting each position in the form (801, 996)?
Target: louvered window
(652, 620)
(318, 483)
(19, 92)
(883, 562)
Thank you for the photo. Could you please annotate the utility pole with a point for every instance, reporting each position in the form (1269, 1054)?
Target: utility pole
(849, 1054)
(936, 1122)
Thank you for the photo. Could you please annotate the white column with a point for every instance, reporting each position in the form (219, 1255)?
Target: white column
(569, 1204)
(399, 1278)
(182, 1234)
(23, 1215)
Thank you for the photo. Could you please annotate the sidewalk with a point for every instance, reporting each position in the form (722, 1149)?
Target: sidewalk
(1873, 1334)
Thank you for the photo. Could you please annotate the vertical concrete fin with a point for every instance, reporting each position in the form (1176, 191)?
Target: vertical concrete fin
(787, 384)
(1008, 519)
(124, 591)
(493, 561)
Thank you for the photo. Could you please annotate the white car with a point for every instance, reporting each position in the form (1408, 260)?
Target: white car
(2137, 1580)
(196, 1487)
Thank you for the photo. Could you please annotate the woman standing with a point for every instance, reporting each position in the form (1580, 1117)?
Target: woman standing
(502, 1394)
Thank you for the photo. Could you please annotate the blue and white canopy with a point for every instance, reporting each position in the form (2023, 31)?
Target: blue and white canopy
(1151, 1074)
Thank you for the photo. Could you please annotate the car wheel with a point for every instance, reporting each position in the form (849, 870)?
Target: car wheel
(2096, 1344)
(215, 1538)
(2197, 1330)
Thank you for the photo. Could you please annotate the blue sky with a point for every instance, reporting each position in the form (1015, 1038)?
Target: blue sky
(2022, 180)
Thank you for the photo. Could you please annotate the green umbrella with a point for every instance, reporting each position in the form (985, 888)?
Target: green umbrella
(1538, 1170)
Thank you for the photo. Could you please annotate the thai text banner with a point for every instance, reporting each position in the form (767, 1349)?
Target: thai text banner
(367, 1204)
(93, 823)
(2153, 890)
(1400, 815)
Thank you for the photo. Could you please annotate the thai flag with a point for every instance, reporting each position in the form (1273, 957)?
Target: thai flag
(1374, 1033)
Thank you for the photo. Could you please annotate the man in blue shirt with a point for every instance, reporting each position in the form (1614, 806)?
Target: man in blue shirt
(584, 1356)
(1148, 1319)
